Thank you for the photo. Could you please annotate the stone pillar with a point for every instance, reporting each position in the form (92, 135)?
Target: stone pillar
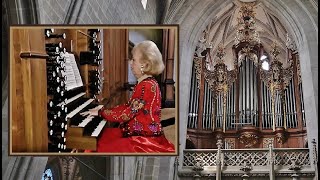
(151, 168)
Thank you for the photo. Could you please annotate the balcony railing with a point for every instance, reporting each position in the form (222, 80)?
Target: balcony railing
(269, 162)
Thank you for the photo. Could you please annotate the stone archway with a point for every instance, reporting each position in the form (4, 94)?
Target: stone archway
(17, 12)
(299, 20)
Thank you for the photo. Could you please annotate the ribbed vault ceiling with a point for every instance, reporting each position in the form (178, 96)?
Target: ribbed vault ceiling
(223, 27)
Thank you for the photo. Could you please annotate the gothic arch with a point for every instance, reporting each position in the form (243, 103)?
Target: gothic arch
(295, 16)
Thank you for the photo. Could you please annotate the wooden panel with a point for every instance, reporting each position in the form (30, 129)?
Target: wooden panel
(75, 139)
(115, 66)
(29, 93)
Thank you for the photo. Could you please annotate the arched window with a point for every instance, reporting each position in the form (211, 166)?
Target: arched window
(47, 175)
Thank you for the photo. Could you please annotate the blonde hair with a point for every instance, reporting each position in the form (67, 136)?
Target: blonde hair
(151, 55)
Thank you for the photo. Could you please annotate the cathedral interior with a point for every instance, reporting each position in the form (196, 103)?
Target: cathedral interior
(247, 88)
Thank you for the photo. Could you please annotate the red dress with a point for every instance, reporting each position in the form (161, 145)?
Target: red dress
(140, 129)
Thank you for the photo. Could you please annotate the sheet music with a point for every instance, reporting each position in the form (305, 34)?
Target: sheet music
(72, 72)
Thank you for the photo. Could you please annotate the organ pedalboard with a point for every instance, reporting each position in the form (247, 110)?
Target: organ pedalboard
(67, 129)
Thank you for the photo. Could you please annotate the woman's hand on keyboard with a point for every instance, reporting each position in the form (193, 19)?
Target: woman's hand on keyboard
(91, 112)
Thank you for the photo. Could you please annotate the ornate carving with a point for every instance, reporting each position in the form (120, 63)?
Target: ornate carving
(294, 165)
(248, 52)
(315, 154)
(287, 75)
(203, 44)
(298, 68)
(198, 166)
(280, 135)
(266, 142)
(198, 68)
(246, 168)
(249, 139)
(68, 163)
(246, 31)
(220, 79)
(230, 143)
(290, 44)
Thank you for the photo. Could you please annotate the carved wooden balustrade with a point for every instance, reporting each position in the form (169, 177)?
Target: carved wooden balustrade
(268, 162)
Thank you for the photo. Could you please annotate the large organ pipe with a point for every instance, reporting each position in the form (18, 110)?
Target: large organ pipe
(288, 118)
(290, 105)
(247, 90)
(240, 92)
(234, 103)
(302, 105)
(251, 92)
(193, 102)
(204, 120)
(213, 115)
(254, 96)
(196, 106)
(210, 108)
(224, 111)
(263, 105)
(265, 117)
(269, 107)
(243, 93)
(294, 105)
(291, 108)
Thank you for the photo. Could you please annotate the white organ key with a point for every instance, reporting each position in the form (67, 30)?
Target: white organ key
(85, 121)
(97, 131)
(72, 99)
(78, 109)
(98, 107)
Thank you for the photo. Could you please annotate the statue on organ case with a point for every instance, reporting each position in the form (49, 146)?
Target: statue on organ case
(140, 129)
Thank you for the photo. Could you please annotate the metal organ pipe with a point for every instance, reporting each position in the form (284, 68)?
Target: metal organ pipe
(234, 103)
(247, 90)
(291, 108)
(287, 108)
(263, 105)
(204, 107)
(294, 105)
(302, 105)
(191, 101)
(196, 106)
(251, 92)
(289, 112)
(210, 109)
(240, 92)
(243, 93)
(269, 109)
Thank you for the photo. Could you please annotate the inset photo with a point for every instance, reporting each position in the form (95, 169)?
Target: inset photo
(93, 90)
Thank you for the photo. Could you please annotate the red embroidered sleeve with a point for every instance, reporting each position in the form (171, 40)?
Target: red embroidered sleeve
(129, 110)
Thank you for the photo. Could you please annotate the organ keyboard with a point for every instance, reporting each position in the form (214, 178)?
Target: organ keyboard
(82, 130)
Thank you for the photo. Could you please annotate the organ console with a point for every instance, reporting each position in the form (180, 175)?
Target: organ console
(63, 73)
(58, 73)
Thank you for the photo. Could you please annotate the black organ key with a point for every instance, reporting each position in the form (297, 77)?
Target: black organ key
(91, 126)
(71, 93)
(76, 103)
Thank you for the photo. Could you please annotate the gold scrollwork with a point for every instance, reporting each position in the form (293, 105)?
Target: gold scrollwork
(248, 139)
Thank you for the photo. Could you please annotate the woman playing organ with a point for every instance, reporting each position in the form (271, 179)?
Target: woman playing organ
(140, 129)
